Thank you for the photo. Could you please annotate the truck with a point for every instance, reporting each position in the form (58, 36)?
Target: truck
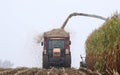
(56, 49)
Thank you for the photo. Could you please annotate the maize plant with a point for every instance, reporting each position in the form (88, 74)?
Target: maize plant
(103, 47)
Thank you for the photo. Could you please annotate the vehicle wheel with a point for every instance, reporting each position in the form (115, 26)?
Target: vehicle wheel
(45, 61)
(67, 61)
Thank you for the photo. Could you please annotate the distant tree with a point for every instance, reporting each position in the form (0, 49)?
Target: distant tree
(6, 64)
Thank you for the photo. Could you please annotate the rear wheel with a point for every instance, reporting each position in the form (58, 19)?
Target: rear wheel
(67, 61)
(45, 61)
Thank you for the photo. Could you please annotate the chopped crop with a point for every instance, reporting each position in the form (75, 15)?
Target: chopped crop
(57, 33)
(51, 71)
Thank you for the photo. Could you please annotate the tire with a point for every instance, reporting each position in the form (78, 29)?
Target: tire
(67, 63)
(45, 62)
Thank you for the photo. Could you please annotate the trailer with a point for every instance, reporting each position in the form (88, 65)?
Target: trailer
(56, 49)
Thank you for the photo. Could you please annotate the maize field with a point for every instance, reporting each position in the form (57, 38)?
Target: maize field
(103, 47)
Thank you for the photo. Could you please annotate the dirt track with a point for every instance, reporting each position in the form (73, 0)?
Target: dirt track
(52, 71)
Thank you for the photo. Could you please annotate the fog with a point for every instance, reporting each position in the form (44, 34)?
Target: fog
(23, 21)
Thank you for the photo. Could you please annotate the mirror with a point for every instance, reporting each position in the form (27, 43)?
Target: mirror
(69, 42)
(41, 43)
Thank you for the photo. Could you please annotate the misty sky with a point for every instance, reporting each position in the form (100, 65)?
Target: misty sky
(22, 21)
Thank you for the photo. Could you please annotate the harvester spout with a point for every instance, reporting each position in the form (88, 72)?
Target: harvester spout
(81, 14)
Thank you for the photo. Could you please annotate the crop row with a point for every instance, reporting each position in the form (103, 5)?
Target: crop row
(52, 71)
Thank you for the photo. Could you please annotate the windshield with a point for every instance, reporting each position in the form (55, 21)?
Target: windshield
(56, 44)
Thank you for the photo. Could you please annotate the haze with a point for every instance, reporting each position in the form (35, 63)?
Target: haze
(22, 21)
